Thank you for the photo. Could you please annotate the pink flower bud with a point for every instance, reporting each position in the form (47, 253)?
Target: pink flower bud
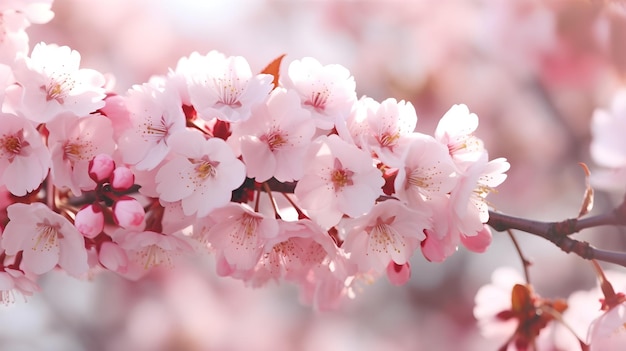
(90, 221)
(398, 274)
(122, 179)
(128, 213)
(101, 168)
(113, 257)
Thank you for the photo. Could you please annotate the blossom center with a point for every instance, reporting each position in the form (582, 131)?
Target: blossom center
(274, 140)
(206, 168)
(76, 151)
(154, 255)
(388, 139)
(47, 235)
(318, 99)
(340, 176)
(382, 235)
(58, 87)
(159, 131)
(12, 145)
(229, 91)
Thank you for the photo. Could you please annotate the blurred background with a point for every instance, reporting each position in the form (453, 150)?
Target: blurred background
(533, 71)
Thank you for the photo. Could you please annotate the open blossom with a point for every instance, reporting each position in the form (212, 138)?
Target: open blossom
(46, 239)
(298, 248)
(238, 236)
(276, 137)
(74, 142)
(51, 82)
(469, 196)
(327, 91)
(428, 172)
(387, 125)
(339, 179)
(455, 130)
(14, 281)
(202, 173)
(24, 159)
(15, 17)
(144, 251)
(225, 88)
(155, 114)
(389, 232)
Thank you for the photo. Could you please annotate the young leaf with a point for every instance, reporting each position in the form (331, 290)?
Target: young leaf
(587, 204)
(274, 68)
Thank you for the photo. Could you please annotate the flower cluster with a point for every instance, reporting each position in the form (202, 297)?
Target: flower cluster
(281, 177)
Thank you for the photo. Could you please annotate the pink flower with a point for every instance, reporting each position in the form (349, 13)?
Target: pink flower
(155, 115)
(389, 232)
(24, 159)
(398, 274)
(89, 221)
(468, 197)
(53, 83)
(101, 167)
(128, 213)
(388, 123)
(202, 173)
(122, 179)
(327, 91)
(455, 130)
(74, 142)
(339, 179)
(225, 88)
(298, 248)
(12, 281)
(46, 239)
(239, 235)
(428, 172)
(276, 137)
(145, 250)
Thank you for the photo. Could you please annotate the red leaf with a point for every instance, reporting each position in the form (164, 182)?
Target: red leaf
(274, 68)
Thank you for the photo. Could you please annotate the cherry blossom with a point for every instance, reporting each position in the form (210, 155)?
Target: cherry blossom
(225, 88)
(389, 232)
(51, 82)
(276, 137)
(428, 172)
(89, 221)
(14, 281)
(327, 91)
(202, 173)
(339, 179)
(24, 159)
(74, 142)
(144, 250)
(45, 238)
(239, 235)
(455, 130)
(155, 115)
(298, 248)
(390, 121)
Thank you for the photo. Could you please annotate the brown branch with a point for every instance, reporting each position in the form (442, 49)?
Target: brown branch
(558, 232)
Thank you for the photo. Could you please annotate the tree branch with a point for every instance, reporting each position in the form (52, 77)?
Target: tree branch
(558, 232)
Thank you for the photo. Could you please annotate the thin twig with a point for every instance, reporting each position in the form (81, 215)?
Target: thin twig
(525, 262)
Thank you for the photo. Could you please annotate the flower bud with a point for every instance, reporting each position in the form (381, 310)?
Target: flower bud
(122, 179)
(398, 274)
(90, 221)
(128, 213)
(101, 167)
